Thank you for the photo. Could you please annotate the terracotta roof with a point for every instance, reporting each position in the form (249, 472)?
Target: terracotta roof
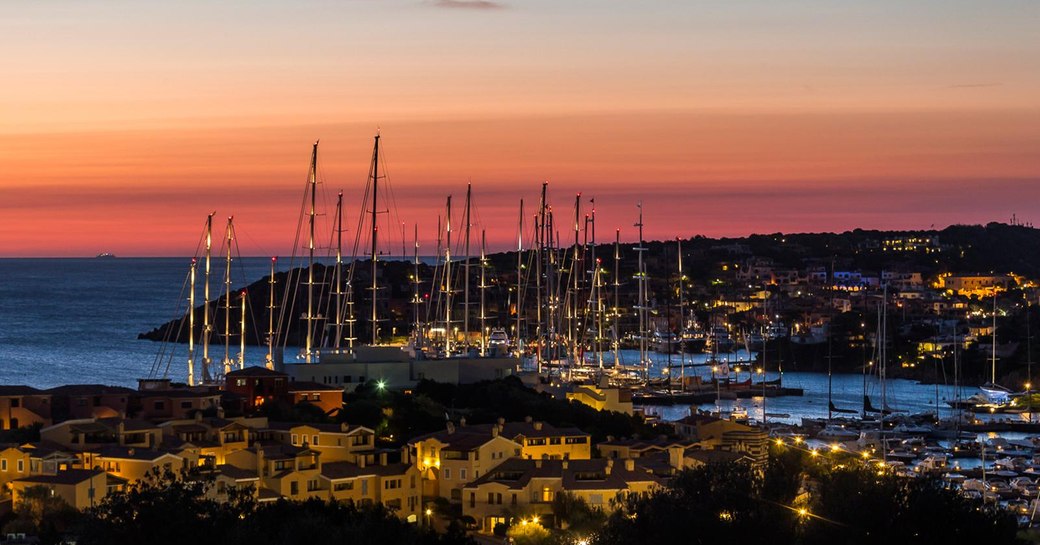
(179, 393)
(131, 453)
(516, 473)
(326, 428)
(714, 456)
(254, 371)
(282, 452)
(346, 470)
(129, 424)
(266, 494)
(644, 444)
(89, 390)
(18, 390)
(308, 386)
(464, 435)
(237, 473)
(69, 476)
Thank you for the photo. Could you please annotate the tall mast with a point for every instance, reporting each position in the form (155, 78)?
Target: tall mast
(540, 331)
(242, 334)
(519, 277)
(617, 299)
(883, 349)
(993, 372)
(448, 333)
(375, 238)
(337, 344)
(269, 362)
(309, 347)
(207, 327)
(191, 325)
(682, 323)
(465, 289)
(597, 284)
(553, 285)
(227, 295)
(641, 274)
(483, 288)
(416, 300)
(572, 322)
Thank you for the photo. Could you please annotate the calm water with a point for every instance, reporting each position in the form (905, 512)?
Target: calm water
(76, 321)
(846, 391)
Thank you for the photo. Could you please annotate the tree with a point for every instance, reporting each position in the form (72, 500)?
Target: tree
(529, 533)
(710, 504)
(857, 505)
(574, 514)
(41, 513)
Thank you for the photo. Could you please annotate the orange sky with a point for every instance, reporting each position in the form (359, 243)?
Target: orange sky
(122, 124)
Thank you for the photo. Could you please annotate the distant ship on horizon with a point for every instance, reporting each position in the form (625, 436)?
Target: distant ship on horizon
(105, 255)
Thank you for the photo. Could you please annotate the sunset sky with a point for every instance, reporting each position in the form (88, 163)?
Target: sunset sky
(124, 123)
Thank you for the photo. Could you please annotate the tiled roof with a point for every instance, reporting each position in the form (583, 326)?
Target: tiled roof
(18, 390)
(516, 473)
(70, 476)
(323, 427)
(237, 473)
(89, 390)
(254, 371)
(308, 386)
(509, 430)
(131, 453)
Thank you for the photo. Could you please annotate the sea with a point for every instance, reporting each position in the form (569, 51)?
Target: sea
(76, 321)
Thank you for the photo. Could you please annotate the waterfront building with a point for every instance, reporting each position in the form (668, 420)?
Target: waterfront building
(603, 398)
(711, 433)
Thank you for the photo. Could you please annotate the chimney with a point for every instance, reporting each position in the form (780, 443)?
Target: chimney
(220, 412)
(538, 463)
(501, 421)
(260, 462)
(528, 419)
(382, 458)
(675, 457)
(451, 428)
(494, 430)
(564, 464)
(130, 452)
(462, 422)
(120, 430)
(198, 416)
(361, 461)
(630, 464)
(343, 426)
(610, 438)
(538, 426)
(610, 466)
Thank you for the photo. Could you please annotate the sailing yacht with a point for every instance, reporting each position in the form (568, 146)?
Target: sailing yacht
(993, 392)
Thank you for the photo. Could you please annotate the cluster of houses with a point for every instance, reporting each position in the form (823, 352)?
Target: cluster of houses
(98, 440)
(800, 302)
